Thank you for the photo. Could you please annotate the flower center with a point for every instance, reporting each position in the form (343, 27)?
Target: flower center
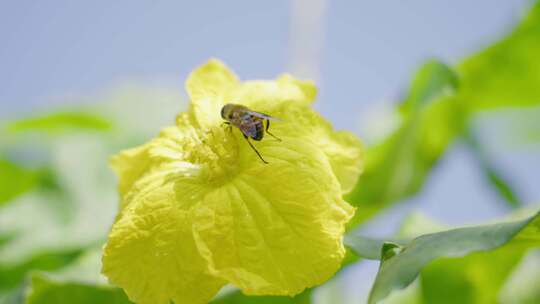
(214, 150)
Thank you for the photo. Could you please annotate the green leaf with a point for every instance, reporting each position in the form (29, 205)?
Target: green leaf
(516, 127)
(36, 239)
(507, 73)
(369, 248)
(475, 279)
(416, 224)
(398, 167)
(59, 122)
(492, 175)
(78, 283)
(32, 235)
(390, 250)
(46, 290)
(32, 238)
(236, 297)
(503, 187)
(401, 270)
(410, 295)
(522, 284)
(13, 296)
(479, 277)
(433, 80)
(12, 275)
(15, 180)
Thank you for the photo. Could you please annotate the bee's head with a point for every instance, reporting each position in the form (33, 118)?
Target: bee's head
(226, 111)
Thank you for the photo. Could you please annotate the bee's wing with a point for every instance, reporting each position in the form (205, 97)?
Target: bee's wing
(264, 116)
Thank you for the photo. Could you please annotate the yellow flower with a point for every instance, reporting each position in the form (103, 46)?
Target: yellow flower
(199, 209)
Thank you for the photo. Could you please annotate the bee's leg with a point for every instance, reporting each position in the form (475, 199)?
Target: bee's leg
(252, 147)
(268, 126)
(228, 124)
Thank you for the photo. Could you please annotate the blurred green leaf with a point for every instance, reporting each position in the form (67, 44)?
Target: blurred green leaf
(508, 129)
(41, 238)
(517, 127)
(46, 290)
(59, 122)
(79, 283)
(401, 270)
(33, 238)
(412, 294)
(34, 229)
(522, 284)
(416, 224)
(32, 235)
(503, 187)
(436, 111)
(12, 275)
(13, 296)
(506, 73)
(237, 297)
(15, 180)
(433, 80)
(492, 175)
(397, 168)
(474, 279)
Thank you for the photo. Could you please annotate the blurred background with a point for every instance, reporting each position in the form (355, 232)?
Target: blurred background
(80, 81)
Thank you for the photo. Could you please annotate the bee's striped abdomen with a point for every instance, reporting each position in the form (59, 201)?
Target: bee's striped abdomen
(259, 132)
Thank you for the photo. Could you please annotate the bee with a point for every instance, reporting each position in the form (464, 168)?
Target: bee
(252, 124)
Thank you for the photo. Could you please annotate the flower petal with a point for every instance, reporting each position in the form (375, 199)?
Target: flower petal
(289, 100)
(275, 229)
(207, 87)
(122, 164)
(345, 153)
(306, 86)
(150, 252)
(131, 164)
(261, 94)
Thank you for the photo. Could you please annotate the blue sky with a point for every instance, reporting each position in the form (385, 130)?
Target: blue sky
(367, 51)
